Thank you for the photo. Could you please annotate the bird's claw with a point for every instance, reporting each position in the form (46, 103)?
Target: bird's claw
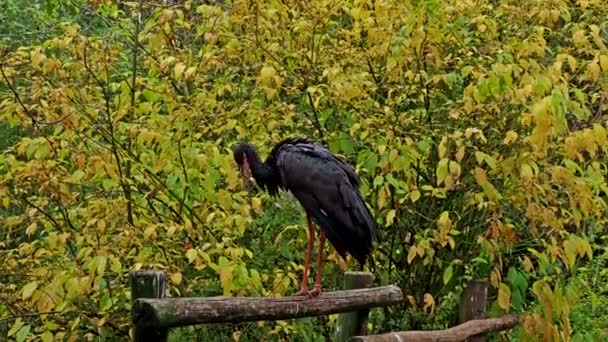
(315, 292)
(308, 293)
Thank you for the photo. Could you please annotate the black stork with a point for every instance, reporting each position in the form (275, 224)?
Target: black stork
(327, 188)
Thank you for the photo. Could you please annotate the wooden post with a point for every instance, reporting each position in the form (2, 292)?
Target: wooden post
(147, 284)
(353, 323)
(473, 302)
(3, 331)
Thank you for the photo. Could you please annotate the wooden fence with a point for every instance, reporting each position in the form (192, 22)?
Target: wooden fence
(153, 314)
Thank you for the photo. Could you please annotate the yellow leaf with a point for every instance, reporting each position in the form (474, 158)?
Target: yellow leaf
(571, 63)
(176, 278)
(578, 38)
(415, 195)
(31, 229)
(411, 254)
(189, 72)
(150, 232)
(191, 254)
(504, 297)
(226, 277)
(444, 220)
(115, 265)
(528, 265)
(390, 217)
(101, 225)
(526, 172)
(494, 277)
(455, 169)
(256, 203)
(594, 71)
(460, 154)
(210, 218)
(480, 176)
(178, 70)
(601, 135)
(37, 58)
(171, 230)
(29, 289)
(412, 300)
(382, 197)
(442, 149)
(571, 147)
(429, 302)
(604, 62)
(511, 136)
(267, 73)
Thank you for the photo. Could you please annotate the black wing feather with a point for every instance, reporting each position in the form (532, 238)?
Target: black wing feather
(328, 189)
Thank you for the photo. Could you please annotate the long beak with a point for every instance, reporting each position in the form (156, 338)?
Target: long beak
(247, 175)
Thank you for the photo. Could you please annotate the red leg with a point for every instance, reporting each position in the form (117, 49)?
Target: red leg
(311, 241)
(317, 290)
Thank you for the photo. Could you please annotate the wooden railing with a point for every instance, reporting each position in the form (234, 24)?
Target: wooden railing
(153, 314)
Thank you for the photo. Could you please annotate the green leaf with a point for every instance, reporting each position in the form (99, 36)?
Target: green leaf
(379, 180)
(447, 274)
(16, 326)
(371, 162)
(517, 279)
(346, 144)
(517, 300)
(47, 336)
(392, 181)
(101, 264)
(442, 170)
(23, 332)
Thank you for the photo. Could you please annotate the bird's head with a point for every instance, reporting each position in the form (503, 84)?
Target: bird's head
(243, 154)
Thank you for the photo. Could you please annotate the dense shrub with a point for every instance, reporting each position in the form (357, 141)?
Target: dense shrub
(477, 127)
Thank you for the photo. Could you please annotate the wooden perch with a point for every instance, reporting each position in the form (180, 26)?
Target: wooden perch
(174, 312)
(453, 334)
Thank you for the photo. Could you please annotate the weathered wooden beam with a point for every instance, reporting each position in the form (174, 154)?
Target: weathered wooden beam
(454, 334)
(353, 323)
(175, 312)
(147, 284)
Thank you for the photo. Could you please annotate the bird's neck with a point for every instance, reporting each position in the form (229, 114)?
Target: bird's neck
(263, 174)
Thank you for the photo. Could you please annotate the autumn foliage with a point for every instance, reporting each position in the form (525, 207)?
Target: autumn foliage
(478, 129)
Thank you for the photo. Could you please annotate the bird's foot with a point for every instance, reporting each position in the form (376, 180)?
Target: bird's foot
(315, 292)
(303, 291)
(308, 293)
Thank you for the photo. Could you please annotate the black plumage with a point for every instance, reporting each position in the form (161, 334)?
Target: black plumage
(325, 185)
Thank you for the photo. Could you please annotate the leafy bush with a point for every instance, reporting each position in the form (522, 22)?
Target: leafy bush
(479, 134)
